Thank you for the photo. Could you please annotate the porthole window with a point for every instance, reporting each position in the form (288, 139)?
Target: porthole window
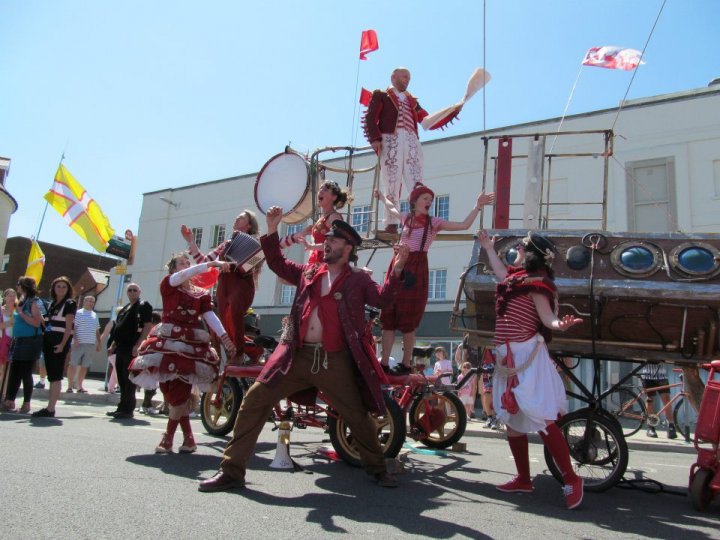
(636, 259)
(695, 259)
(578, 257)
(508, 251)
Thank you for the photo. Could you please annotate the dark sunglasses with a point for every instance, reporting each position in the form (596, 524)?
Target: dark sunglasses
(133, 290)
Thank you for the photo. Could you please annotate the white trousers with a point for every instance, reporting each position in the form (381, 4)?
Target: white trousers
(401, 158)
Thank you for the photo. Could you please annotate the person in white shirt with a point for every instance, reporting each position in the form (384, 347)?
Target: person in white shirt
(85, 344)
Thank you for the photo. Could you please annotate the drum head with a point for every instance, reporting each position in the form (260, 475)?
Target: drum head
(283, 182)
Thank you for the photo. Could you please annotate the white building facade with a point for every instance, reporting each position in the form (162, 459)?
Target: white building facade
(664, 175)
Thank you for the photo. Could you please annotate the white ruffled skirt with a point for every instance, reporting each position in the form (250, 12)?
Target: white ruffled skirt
(540, 393)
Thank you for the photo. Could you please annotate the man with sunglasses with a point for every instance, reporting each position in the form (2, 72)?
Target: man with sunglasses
(132, 326)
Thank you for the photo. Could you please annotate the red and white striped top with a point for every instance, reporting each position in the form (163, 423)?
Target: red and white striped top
(405, 116)
(413, 237)
(520, 321)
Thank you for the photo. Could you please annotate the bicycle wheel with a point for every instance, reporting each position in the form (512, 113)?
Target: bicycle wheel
(625, 404)
(441, 418)
(390, 429)
(219, 420)
(599, 456)
(685, 418)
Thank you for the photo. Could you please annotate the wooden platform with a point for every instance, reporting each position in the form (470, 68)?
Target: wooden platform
(654, 297)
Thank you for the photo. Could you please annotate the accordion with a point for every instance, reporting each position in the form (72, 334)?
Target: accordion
(244, 251)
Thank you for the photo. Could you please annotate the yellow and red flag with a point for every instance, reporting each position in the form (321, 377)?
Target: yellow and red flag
(81, 212)
(36, 262)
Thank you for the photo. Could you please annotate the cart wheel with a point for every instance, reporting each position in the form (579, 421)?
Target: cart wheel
(700, 493)
(391, 433)
(445, 430)
(600, 457)
(220, 420)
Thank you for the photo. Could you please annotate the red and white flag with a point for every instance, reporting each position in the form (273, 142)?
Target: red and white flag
(613, 58)
(368, 43)
(365, 97)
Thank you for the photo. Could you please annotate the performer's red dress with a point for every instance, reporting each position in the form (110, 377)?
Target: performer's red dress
(178, 348)
(319, 230)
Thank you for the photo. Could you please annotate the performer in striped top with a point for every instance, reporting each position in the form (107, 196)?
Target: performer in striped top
(528, 394)
(418, 232)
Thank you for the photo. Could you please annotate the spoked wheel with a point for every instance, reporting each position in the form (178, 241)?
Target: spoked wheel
(599, 454)
(623, 403)
(439, 418)
(390, 431)
(219, 419)
(700, 493)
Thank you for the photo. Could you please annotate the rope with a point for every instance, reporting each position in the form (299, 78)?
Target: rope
(484, 62)
(642, 54)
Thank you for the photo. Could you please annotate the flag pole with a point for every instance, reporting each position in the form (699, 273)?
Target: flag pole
(42, 219)
(562, 119)
(353, 128)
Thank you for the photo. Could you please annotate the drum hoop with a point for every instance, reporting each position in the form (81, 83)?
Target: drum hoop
(307, 181)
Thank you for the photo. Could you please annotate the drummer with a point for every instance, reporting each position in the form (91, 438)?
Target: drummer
(236, 290)
(330, 199)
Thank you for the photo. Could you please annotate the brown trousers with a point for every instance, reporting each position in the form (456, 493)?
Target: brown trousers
(337, 382)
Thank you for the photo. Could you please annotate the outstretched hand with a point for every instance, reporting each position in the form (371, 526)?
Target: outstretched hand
(187, 234)
(484, 199)
(568, 321)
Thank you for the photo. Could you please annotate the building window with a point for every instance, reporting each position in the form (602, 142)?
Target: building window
(441, 208)
(4, 264)
(360, 218)
(218, 235)
(197, 234)
(287, 294)
(438, 284)
(404, 207)
(296, 228)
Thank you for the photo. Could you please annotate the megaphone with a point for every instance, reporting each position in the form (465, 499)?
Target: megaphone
(282, 452)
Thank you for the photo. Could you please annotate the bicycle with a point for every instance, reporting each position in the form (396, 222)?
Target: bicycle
(220, 406)
(628, 405)
(436, 416)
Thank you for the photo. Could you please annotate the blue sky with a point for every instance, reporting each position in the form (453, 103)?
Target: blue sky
(143, 96)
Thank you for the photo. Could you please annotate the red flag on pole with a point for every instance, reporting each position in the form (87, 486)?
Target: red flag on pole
(368, 43)
(613, 58)
(365, 96)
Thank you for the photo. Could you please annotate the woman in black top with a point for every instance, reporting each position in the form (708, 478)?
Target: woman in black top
(58, 333)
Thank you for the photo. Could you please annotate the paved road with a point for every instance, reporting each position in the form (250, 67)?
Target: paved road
(81, 475)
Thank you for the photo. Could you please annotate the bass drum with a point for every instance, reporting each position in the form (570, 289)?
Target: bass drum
(284, 181)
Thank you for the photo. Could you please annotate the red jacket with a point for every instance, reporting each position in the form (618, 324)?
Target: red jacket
(382, 114)
(357, 290)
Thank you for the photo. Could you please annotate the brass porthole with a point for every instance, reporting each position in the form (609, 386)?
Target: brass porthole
(636, 259)
(695, 259)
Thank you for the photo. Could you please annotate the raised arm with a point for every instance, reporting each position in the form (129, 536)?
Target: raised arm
(488, 244)
(482, 200)
(288, 270)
